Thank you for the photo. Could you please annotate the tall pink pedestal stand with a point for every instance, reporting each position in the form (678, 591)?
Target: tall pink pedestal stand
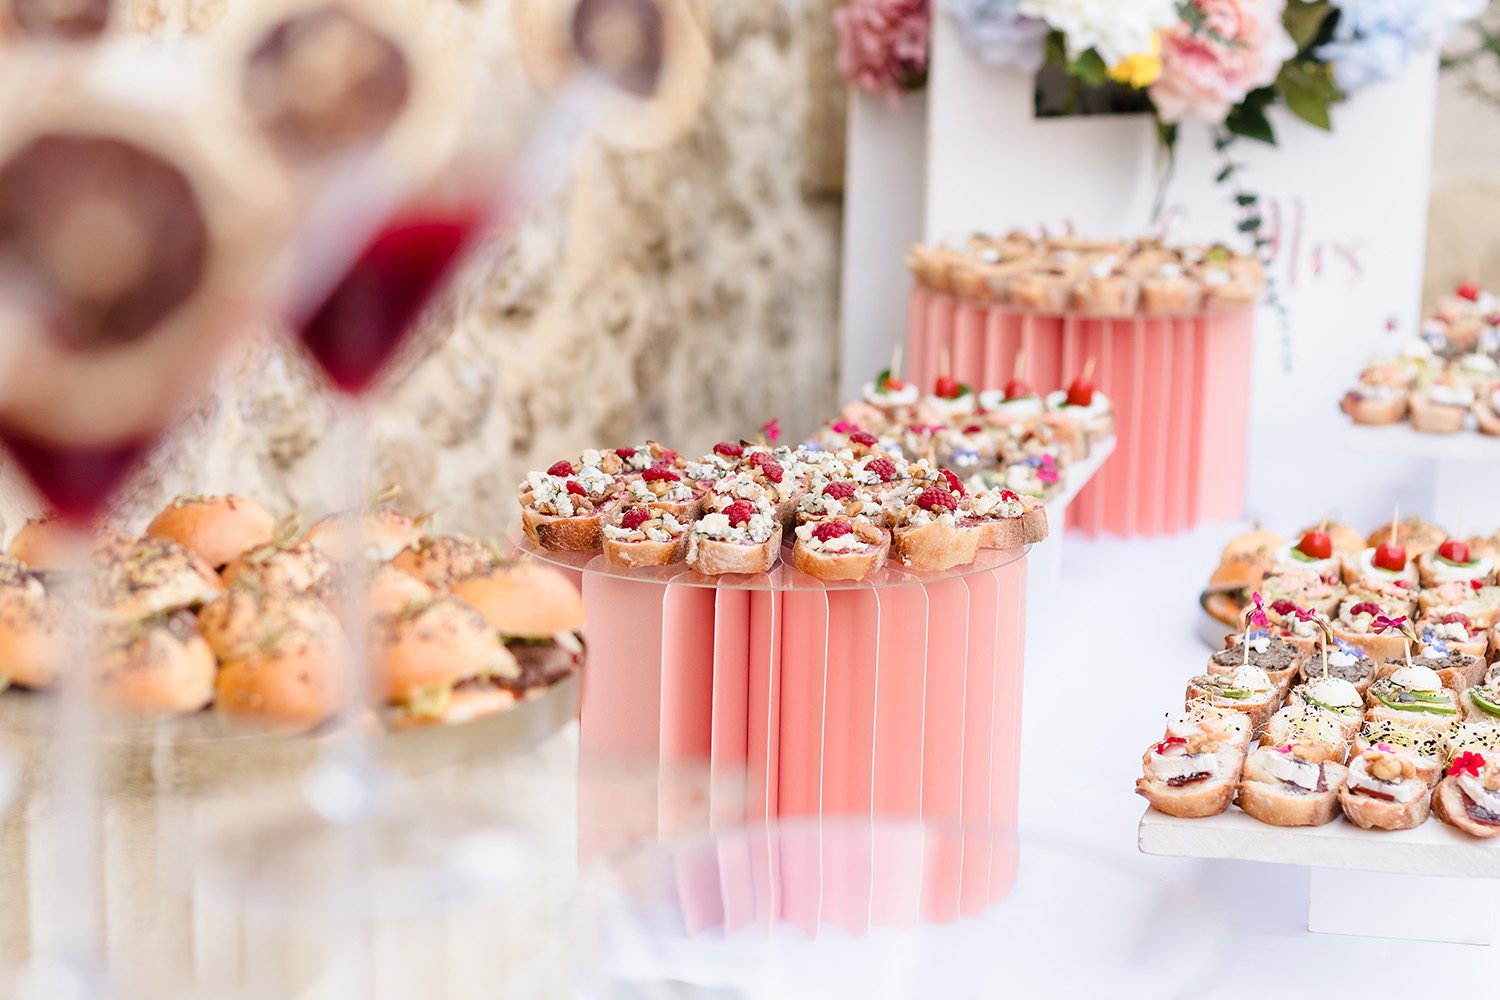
(1180, 386)
(895, 697)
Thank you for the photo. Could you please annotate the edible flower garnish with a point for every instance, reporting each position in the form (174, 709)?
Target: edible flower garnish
(1385, 748)
(1468, 762)
(845, 427)
(772, 429)
(1349, 648)
(1258, 615)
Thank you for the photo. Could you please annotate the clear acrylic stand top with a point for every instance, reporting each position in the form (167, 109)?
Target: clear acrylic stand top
(783, 576)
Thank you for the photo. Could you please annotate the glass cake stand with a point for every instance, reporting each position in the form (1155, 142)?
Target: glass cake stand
(783, 576)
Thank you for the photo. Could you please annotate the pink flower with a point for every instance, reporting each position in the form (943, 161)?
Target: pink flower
(883, 45)
(1212, 60)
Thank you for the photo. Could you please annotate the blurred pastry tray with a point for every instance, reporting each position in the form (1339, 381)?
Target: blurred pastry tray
(199, 751)
(1434, 848)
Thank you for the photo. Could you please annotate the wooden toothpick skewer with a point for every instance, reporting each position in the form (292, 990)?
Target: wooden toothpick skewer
(946, 362)
(1019, 366)
(1323, 641)
(1395, 522)
(896, 362)
(1088, 369)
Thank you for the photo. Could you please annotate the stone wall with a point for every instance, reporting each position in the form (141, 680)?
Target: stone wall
(687, 293)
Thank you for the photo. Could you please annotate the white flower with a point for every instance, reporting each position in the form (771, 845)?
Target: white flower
(1116, 29)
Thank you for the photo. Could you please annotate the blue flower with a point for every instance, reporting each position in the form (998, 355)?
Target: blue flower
(1373, 39)
(995, 32)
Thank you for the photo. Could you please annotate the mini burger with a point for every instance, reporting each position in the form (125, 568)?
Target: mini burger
(382, 533)
(441, 663)
(538, 613)
(246, 619)
(295, 566)
(155, 576)
(32, 640)
(290, 679)
(391, 592)
(155, 666)
(219, 529)
(440, 561)
(1229, 589)
(47, 545)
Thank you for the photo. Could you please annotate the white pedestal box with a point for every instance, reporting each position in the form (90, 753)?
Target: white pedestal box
(884, 179)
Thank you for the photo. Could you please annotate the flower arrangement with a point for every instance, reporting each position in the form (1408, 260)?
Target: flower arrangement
(883, 45)
(1220, 62)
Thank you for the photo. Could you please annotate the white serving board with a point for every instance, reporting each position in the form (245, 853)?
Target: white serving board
(1433, 848)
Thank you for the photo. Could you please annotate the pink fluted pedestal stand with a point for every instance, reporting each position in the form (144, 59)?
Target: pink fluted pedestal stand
(895, 697)
(1180, 386)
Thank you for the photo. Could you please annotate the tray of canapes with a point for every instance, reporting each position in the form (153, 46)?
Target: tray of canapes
(1089, 277)
(1361, 687)
(222, 622)
(1444, 381)
(899, 485)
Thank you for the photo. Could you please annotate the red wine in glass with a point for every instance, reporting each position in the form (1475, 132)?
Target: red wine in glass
(78, 480)
(355, 331)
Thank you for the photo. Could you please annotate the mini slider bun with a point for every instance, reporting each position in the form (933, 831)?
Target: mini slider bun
(524, 600)
(294, 566)
(220, 529)
(45, 544)
(1255, 546)
(442, 560)
(32, 638)
(440, 663)
(155, 576)
(246, 619)
(155, 666)
(538, 612)
(289, 680)
(383, 533)
(391, 591)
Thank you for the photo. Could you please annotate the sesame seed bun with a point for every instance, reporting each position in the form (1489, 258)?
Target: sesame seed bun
(33, 642)
(45, 545)
(219, 528)
(434, 648)
(156, 575)
(383, 533)
(292, 682)
(298, 567)
(1237, 576)
(392, 592)
(1253, 546)
(442, 560)
(524, 599)
(246, 620)
(157, 667)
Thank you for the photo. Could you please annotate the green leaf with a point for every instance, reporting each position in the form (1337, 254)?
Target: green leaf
(1245, 200)
(1309, 89)
(1251, 122)
(1304, 20)
(1090, 68)
(1057, 49)
(1249, 225)
(1225, 174)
